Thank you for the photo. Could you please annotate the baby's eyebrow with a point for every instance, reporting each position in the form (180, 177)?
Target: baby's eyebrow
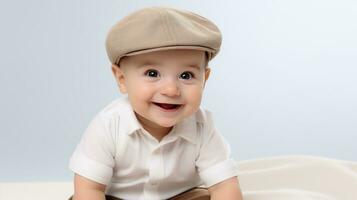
(193, 66)
(148, 63)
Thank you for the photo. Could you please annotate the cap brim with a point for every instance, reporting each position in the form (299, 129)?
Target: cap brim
(210, 51)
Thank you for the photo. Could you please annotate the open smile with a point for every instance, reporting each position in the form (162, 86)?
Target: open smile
(168, 107)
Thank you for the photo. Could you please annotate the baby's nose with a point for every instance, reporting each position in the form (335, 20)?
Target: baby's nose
(170, 88)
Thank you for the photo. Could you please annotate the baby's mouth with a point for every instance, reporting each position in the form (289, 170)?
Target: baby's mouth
(167, 106)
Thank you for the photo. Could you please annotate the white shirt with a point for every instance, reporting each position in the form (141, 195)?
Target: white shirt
(116, 151)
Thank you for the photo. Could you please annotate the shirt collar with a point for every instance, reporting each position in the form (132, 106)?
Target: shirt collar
(187, 129)
(129, 124)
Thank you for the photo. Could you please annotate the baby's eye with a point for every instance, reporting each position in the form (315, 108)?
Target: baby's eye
(152, 73)
(186, 75)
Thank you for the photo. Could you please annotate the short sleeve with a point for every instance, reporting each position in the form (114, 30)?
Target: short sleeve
(214, 162)
(93, 157)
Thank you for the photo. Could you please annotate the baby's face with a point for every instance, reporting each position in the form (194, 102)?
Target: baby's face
(163, 87)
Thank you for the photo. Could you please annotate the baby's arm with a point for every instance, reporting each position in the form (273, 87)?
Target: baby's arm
(85, 189)
(226, 190)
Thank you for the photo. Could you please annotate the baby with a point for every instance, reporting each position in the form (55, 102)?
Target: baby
(156, 142)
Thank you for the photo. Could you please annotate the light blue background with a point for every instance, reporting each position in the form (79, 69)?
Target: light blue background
(284, 82)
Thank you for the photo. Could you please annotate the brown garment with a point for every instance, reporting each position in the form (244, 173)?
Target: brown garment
(198, 193)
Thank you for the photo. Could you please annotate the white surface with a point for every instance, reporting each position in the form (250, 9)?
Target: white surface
(298, 178)
(36, 191)
(275, 178)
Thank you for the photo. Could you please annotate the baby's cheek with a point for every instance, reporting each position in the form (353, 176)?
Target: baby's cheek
(195, 97)
(141, 89)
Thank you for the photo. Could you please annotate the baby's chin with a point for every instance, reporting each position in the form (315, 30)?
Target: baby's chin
(167, 124)
(162, 122)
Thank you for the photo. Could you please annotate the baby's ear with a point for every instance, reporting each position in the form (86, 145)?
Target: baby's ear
(119, 77)
(207, 73)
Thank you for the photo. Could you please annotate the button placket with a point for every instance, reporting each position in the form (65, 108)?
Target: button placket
(156, 167)
(155, 174)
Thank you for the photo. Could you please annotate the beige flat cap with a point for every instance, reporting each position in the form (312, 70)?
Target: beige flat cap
(161, 28)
